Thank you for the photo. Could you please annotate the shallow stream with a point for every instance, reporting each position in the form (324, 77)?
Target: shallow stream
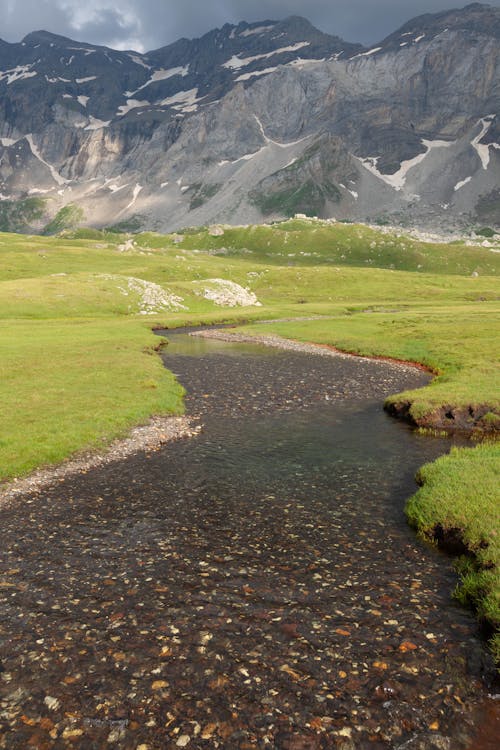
(254, 586)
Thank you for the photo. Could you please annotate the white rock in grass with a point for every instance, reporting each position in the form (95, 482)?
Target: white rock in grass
(227, 293)
(153, 298)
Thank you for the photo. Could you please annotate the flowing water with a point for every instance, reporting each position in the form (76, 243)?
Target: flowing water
(254, 586)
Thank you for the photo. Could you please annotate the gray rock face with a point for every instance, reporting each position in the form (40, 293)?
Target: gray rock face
(260, 121)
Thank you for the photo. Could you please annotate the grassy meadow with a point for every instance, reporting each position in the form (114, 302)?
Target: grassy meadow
(77, 356)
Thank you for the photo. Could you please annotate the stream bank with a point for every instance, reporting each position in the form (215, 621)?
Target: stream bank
(256, 586)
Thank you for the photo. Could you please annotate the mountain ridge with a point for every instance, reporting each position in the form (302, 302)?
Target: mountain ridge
(258, 121)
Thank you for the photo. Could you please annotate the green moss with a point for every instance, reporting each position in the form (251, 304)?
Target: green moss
(490, 418)
(79, 363)
(68, 217)
(19, 216)
(461, 492)
(128, 226)
(485, 232)
(202, 194)
(308, 198)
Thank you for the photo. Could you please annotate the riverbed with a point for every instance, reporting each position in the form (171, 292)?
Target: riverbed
(253, 586)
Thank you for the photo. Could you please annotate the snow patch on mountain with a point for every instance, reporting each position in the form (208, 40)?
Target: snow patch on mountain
(96, 124)
(236, 62)
(257, 30)
(301, 62)
(86, 50)
(17, 74)
(247, 76)
(135, 195)
(483, 149)
(34, 150)
(6, 142)
(131, 104)
(139, 61)
(58, 80)
(462, 183)
(114, 188)
(398, 179)
(183, 100)
(367, 54)
(162, 75)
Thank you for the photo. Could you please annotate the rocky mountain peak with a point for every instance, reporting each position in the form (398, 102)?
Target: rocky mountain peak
(46, 38)
(476, 17)
(260, 119)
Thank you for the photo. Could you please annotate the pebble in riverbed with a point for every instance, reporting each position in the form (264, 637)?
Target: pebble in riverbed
(157, 432)
(180, 599)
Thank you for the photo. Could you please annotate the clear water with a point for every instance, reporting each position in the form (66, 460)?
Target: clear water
(253, 586)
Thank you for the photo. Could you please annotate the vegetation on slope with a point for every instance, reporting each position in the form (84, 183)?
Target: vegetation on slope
(68, 217)
(17, 216)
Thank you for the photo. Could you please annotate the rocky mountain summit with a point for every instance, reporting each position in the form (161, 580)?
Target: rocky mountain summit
(255, 121)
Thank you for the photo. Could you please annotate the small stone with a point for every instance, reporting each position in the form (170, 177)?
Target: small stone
(159, 684)
(208, 731)
(116, 735)
(70, 733)
(345, 732)
(183, 741)
(52, 703)
(407, 646)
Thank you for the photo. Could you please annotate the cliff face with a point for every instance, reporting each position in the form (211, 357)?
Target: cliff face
(260, 120)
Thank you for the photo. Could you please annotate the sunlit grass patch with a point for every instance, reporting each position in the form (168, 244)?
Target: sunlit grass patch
(73, 384)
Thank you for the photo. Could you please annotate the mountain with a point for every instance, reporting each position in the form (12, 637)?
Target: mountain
(255, 121)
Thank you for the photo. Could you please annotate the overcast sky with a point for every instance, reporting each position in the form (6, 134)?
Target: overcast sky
(147, 24)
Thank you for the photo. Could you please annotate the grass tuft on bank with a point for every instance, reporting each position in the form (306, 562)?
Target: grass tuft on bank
(459, 501)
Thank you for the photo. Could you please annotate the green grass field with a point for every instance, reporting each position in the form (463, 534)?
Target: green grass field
(78, 366)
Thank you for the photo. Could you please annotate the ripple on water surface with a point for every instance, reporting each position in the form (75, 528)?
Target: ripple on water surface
(255, 586)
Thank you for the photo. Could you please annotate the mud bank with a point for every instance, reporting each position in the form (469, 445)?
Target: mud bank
(476, 420)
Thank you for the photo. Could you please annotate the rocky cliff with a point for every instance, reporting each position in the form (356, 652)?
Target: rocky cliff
(256, 121)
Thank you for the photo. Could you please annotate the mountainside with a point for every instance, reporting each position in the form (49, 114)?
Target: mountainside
(255, 121)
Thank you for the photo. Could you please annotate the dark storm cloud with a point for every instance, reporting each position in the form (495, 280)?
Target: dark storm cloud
(147, 24)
